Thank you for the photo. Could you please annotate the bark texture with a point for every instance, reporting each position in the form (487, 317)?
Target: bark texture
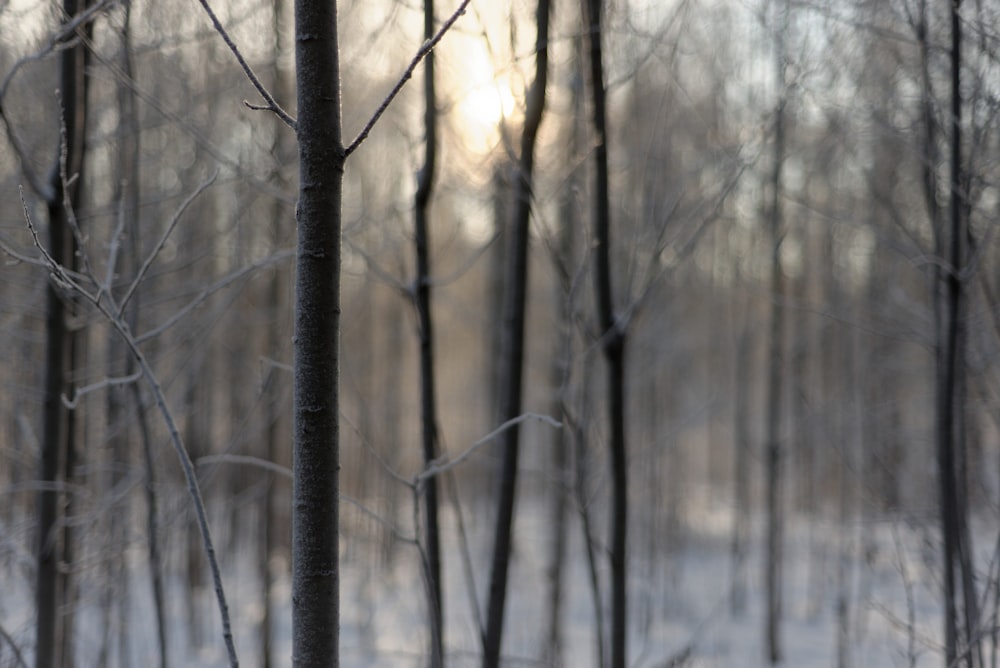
(315, 526)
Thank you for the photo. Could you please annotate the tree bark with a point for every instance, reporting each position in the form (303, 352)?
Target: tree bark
(57, 449)
(961, 644)
(775, 520)
(428, 398)
(612, 333)
(515, 298)
(315, 523)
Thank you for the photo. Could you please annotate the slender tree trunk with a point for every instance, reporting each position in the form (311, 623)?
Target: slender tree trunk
(315, 504)
(132, 178)
(560, 374)
(428, 399)
(775, 528)
(121, 408)
(741, 463)
(612, 342)
(502, 194)
(515, 298)
(961, 645)
(52, 626)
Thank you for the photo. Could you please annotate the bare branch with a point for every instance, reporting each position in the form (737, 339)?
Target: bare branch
(407, 75)
(62, 276)
(99, 385)
(163, 240)
(210, 290)
(113, 317)
(444, 465)
(13, 645)
(286, 472)
(60, 39)
(272, 104)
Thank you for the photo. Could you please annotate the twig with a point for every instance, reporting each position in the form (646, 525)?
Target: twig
(57, 40)
(248, 460)
(272, 104)
(58, 273)
(110, 313)
(209, 291)
(141, 274)
(444, 465)
(407, 75)
(78, 392)
(13, 645)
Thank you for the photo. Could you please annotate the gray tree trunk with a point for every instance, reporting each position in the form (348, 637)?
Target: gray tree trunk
(428, 397)
(515, 301)
(53, 628)
(775, 519)
(612, 339)
(315, 504)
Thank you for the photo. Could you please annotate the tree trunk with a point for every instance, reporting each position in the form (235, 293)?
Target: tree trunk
(961, 644)
(562, 357)
(315, 504)
(515, 298)
(739, 539)
(57, 448)
(775, 520)
(612, 333)
(428, 399)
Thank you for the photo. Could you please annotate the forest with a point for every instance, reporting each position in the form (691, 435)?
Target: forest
(604, 333)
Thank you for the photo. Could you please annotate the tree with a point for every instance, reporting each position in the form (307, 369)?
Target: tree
(428, 397)
(775, 358)
(315, 524)
(512, 342)
(961, 643)
(61, 192)
(612, 334)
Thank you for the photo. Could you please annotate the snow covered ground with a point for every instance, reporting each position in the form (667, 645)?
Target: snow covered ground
(679, 603)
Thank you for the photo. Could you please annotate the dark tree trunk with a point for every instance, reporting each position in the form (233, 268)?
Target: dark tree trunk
(961, 644)
(775, 520)
(428, 399)
(315, 504)
(58, 448)
(515, 298)
(612, 333)
(740, 536)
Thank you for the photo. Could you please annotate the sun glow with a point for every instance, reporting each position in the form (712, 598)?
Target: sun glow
(483, 109)
(485, 97)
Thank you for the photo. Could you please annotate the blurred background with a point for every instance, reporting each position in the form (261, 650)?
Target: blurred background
(782, 205)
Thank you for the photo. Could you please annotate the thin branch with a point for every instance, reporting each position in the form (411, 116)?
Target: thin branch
(444, 465)
(61, 39)
(13, 645)
(407, 75)
(248, 460)
(110, 313)
(163, 240)
(210, 290)
(272, 104)
(59, 274)
(78, 392)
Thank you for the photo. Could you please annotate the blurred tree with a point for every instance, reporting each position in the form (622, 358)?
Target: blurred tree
(62, 195)
(612, 333)
(776, 350)
(428, 395)
(512, 341)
